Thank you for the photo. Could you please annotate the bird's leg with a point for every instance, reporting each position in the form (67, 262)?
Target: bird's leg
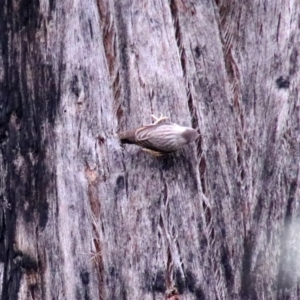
(152, 152)
(161, 118)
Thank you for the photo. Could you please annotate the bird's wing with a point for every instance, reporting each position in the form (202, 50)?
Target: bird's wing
(146, 137)
(153, 136)
(144, 133)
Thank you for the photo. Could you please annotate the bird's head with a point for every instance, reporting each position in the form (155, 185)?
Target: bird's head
(190, 134)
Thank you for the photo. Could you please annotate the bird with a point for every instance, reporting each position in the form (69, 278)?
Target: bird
(161, 137)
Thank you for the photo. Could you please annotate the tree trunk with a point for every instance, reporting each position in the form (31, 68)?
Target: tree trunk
(82, 217)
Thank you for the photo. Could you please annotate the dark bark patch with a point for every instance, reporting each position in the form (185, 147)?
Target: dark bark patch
(247, 284)
(82, 294)
(25, 261)
(120, 112)
(123, 293)
(283, 82)
(180, 282)
(197, 51)
(199, 294)
(202, 170)
(225, 260)
(159, 282)
(293, 62)
(147, 280)
(167, 162)
(27, 14)
(43, 210)
(30, 93)
(52, 5)
(74, 86)
(120, 183)
(190, 281)
(122, 44)
(2, 231)
(91, 29)
(112, 271)
(203, 242)
(154, 282)
(190, 257)
(11, 285)
(101, 140)
(259, 208)
(85, 277)
(175, 12)
(291, 199)
(208, 214)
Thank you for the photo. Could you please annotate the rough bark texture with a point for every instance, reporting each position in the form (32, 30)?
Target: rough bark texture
(82, 217)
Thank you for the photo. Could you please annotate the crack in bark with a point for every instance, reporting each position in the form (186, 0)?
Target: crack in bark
(92, 178)
(191, 106)
(116, 55)
(183, 61)
(228, 32)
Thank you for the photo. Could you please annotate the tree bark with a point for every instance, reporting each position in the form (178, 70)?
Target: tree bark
(82, 217)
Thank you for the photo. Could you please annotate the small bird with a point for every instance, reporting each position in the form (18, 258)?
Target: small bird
(161, 137)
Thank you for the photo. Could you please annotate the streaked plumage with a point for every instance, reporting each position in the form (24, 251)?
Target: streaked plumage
(161, 137)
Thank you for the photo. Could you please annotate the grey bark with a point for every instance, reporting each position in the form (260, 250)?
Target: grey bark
(82, 217)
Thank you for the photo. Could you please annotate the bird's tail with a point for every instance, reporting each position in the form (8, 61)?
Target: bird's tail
(127, 137)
